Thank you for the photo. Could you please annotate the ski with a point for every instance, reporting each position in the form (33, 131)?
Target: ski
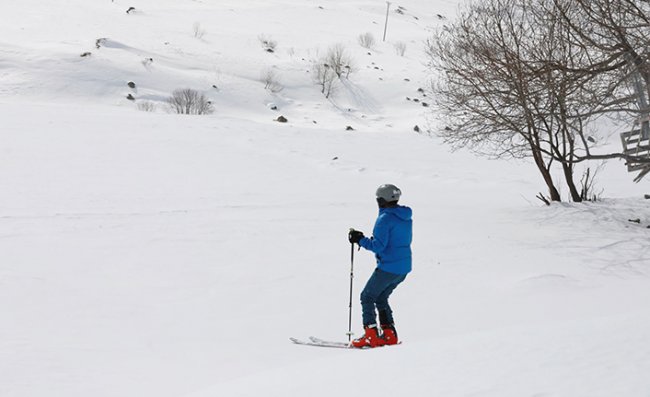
(327, 342)
(321, 343)
(314, 341)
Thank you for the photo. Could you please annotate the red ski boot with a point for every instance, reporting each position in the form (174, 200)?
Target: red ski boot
(389, 334)
(370, 338)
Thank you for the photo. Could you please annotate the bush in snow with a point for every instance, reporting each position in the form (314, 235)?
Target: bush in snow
(146, 106)
(271, 80)
(587, 185)
(267, 43)
(400, 48)
(366, 40)
(189, 101)
(199, 32)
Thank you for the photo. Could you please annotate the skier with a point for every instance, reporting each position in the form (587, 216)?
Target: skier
(391, 243)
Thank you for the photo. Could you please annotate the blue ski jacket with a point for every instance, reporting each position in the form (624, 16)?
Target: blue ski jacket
(391, 239)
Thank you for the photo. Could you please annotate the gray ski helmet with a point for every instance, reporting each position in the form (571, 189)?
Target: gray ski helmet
(388, 192)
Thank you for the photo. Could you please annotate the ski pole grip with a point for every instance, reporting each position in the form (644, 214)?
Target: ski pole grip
(353, 230)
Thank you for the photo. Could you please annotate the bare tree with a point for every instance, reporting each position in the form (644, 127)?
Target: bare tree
(484, 91)
(566, 102)
(339, 61)
(519, 78)
(324, 76)
(188, 101)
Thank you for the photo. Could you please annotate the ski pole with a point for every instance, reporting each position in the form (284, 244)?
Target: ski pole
(350, 333)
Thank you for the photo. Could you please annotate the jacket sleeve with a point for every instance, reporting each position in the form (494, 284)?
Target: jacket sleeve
(380, 235)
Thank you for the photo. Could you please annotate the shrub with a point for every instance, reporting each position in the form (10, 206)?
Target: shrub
(267, 43)
(366, 40)
(400, 48)
(198, 31)
(146, 106)
(188, 101)
(271, 80)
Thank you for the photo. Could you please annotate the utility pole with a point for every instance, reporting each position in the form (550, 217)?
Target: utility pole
(386, 24)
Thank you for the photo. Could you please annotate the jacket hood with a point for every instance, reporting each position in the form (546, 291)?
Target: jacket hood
(402, 212)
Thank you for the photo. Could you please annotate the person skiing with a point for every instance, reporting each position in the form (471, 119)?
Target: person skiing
(391, 244)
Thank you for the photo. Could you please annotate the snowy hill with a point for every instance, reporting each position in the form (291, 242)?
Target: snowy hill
(154, 254)
(164, 45)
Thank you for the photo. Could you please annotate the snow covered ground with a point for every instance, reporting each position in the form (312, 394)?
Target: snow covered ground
(152, 254)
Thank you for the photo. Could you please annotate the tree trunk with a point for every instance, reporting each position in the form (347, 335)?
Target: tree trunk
(541, 166)
(568, 176)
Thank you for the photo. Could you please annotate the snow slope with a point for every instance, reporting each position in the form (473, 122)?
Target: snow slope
(146, 253)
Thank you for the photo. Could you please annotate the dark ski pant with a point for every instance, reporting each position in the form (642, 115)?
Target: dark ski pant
(375, 294)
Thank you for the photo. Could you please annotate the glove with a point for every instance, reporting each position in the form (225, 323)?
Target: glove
(355, 236)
